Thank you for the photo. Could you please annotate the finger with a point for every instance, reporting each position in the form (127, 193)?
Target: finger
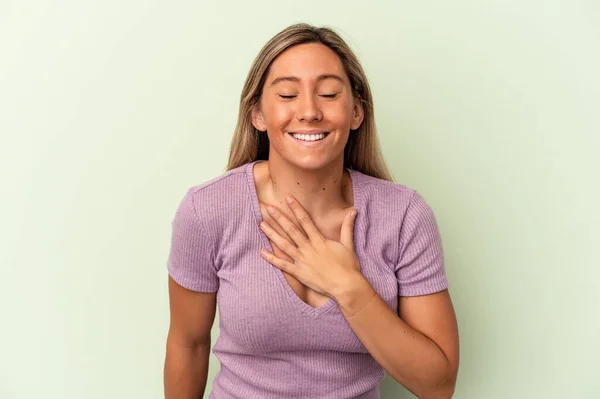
(290, 228)
(279, 263)
(347, 233)
(272, 223)
(281, 242)
(303, 218)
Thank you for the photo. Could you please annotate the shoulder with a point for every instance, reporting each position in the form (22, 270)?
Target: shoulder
(220, 187)
(384, 196)
(224, 195)
(393, 206)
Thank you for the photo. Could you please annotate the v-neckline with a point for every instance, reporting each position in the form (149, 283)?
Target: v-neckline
(304, 307)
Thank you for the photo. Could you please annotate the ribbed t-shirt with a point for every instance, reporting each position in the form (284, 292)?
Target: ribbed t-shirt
(271, 343)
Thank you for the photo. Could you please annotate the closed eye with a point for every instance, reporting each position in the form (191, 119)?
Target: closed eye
(292, 96)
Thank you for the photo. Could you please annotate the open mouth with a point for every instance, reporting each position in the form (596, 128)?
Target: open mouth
(309, 137)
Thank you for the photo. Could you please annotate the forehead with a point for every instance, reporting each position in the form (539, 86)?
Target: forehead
(307, 62)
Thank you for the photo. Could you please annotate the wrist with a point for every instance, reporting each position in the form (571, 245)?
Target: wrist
(354, 295)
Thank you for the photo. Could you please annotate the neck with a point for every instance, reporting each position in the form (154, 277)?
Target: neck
(319, 191)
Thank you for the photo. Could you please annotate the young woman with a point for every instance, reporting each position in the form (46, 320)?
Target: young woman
(327, 273)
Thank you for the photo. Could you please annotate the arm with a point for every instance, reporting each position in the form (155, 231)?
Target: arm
(193, 283)
(188, 342)
(419, 350)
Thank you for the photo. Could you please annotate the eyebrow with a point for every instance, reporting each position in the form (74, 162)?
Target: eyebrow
(296, 79)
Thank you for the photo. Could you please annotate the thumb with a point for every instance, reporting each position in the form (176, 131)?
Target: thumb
(347, 234)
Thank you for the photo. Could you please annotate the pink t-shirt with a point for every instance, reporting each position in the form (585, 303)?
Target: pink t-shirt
(271, 343)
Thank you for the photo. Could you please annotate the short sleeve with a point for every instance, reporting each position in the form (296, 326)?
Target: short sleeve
(190, 258)
(420, 269)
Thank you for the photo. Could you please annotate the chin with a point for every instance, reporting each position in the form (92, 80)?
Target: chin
(313, 162)
(306, 158)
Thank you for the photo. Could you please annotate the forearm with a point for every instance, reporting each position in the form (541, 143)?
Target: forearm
(186, 370)
(411, 358)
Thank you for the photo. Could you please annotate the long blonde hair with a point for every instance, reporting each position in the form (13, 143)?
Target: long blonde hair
(362, 152)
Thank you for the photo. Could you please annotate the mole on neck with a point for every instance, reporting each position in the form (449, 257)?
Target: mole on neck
(319, 193)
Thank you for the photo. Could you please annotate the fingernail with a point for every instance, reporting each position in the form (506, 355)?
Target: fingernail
(289, 199)
(270, 209)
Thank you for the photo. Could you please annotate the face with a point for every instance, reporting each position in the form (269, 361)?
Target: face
(307, 107)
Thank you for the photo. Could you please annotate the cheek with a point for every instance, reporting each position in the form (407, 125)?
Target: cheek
(277, 115)
(341, 114)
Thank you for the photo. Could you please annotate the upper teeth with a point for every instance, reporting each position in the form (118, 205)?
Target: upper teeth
(309, 137)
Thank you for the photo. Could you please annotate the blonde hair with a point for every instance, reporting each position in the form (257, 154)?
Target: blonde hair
(362, 152)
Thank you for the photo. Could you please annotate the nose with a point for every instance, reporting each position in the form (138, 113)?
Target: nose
(308, 109)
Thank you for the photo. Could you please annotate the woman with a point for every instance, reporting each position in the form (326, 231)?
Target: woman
(327, 274)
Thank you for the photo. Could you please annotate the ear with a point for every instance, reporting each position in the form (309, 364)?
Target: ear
(258, 120)
(358, 113)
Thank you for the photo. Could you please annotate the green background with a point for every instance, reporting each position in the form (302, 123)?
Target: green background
(110, 110)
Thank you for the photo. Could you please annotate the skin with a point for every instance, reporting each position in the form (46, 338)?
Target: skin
(188, 342)
(307, 89)
(308, 215)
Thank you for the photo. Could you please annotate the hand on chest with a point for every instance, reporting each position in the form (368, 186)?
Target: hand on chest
(329, 228)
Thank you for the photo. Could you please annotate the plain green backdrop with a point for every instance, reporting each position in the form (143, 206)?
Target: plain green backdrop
(110, 110)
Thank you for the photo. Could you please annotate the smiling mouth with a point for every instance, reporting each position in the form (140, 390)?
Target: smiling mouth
(309, 137)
